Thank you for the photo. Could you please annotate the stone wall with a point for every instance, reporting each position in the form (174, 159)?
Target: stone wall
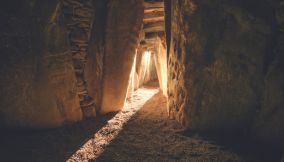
(78, 17)
(268, 125)
(124, 23)
(225, 67)
(52, 61)
(38, 83)
(96, 52)
(58, 55)
(161, 65)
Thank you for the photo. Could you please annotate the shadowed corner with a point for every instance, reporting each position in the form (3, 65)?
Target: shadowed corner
(48, 144)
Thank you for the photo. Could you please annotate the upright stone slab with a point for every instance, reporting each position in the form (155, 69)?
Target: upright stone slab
(123, 27)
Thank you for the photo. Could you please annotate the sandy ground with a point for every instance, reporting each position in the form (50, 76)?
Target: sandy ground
(143, 132)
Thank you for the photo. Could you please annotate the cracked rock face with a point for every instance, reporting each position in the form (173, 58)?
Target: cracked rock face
(53, 56)
(224, 72)
(44, 63)
(62, 60)
(81, 13)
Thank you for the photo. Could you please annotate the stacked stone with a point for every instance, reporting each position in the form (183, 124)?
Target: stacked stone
(78, 15)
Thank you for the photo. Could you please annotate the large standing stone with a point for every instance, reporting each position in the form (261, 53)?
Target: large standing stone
(38, 85)
(216, 64)
(123, 27)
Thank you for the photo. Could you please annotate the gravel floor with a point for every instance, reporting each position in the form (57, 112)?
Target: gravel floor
(143, 132)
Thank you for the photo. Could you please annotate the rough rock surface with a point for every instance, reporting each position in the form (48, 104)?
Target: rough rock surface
(157, 139)
(223, 70)
(122, 34)
(161, 65)
(38, 84)
(122, 137)
(94, 64)
(268, 126)
(78, 17)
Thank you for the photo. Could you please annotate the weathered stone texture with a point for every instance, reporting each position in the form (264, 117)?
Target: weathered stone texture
(38, 86)
(95, 60)
(124, 22)
(53, 55)
(217, 63)
(268, 126)
(78, 17)
(161, 65)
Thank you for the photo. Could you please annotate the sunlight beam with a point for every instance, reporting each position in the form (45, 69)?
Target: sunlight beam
(95, 146)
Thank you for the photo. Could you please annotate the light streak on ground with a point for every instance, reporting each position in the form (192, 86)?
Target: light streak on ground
(95, 146)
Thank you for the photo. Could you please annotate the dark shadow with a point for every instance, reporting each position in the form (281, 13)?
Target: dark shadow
(57, 145)
(249, 149)
(53, 145)
(104, 157)
(152, 84)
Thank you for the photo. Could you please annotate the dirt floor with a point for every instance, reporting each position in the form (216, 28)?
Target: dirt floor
(142, 131)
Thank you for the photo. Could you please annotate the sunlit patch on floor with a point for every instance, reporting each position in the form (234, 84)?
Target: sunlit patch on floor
(94, 147)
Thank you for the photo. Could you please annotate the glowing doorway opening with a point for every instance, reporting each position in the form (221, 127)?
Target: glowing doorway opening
(147, 59)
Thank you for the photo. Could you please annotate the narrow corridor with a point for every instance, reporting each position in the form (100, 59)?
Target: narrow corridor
(148, 135)
(75, 77)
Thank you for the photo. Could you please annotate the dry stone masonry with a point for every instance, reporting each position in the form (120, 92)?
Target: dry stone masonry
(78, 16)
(63, 60)
(226, 67)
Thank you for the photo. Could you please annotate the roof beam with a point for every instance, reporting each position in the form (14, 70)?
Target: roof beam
(154, 29)
(154, 26)
(148, 5)
(154, 16)
(150, 41)
(149, 10)
(152, 35)
(154, 19)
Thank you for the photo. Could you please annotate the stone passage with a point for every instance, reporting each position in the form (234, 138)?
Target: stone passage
(148, 136)
(94, 147)
(224, 67)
